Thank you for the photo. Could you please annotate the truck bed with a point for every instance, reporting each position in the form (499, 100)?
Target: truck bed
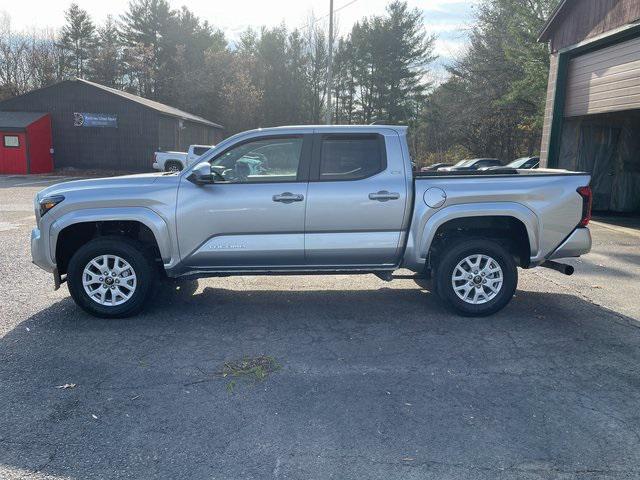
(546, 201)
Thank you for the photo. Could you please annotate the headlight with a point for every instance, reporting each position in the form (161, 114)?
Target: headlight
(48, 203)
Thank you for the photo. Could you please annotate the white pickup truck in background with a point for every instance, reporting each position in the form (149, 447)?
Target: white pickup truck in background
(178, 161)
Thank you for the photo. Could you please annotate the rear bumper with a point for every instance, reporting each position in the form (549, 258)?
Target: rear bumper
(578, 243)
(39, 255)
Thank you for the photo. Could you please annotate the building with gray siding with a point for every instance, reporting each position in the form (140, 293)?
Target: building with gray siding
(592, 115)
(97, 127)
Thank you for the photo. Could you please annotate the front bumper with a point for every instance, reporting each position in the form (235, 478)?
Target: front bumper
(156, 166)
(578, 243)
(39, 255)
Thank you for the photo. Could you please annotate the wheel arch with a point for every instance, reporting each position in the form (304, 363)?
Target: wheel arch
(152, 228)
(457, 215)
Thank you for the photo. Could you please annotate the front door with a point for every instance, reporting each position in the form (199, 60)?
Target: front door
(356, 202)
(252, 216)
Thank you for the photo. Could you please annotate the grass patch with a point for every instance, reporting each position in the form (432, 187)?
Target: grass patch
(249, 369)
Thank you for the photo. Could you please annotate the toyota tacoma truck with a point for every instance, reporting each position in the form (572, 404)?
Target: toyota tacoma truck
(309, 200)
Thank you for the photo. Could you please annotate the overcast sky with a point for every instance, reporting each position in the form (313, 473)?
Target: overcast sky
(449, 19)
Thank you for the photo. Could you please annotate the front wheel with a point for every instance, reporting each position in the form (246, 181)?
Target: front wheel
(111, 277)
(477, 277)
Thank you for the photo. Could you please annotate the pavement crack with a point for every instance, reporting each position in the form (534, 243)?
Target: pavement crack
(52, 457)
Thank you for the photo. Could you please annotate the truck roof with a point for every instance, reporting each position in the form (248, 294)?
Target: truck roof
(400, 129)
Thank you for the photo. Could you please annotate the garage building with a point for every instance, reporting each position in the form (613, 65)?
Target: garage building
(97, 127)
(592, 117)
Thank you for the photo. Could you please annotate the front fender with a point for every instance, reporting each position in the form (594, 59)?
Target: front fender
(424, 232)
(146, 216)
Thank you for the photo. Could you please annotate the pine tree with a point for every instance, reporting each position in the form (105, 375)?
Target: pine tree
(407, 52)
(493, 102)
(146, 27)
(106, 66)
(77, 42)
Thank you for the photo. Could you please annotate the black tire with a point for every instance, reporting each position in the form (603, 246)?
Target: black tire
(425, 283)
(130, 251)
(172, 166)
(456, 254)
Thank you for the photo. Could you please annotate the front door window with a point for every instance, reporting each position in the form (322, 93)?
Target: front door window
(272, 160)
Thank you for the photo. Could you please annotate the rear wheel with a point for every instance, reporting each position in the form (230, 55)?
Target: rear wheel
(172, 166)
(111, 277)
(477, 277)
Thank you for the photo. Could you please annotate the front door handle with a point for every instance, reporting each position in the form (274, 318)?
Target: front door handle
(384, 196)
(288, 197)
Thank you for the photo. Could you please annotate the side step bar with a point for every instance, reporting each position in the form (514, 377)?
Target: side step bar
(389, 277)
(559, 267)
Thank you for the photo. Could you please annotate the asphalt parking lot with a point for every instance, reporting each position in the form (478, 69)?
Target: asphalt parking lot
(377, 380)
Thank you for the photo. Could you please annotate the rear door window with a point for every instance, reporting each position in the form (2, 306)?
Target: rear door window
(199, 151)
(351, 157)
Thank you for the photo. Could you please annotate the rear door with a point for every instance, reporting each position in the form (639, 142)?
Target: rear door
(356, 200)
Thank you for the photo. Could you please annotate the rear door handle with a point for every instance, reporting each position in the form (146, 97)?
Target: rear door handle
(384, 196)
(288, 197)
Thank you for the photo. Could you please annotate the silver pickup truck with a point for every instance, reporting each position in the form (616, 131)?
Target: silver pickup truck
(308, 200)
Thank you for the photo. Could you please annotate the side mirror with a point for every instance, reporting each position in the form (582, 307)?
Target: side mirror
(201, 174)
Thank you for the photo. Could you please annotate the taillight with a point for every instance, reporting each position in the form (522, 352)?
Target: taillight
(587, 204)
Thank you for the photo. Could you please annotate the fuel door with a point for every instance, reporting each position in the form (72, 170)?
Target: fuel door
(435, 197)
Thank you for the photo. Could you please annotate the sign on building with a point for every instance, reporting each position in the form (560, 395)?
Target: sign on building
(103, 120)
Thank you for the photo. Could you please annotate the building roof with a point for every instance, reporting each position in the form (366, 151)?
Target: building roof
(557, 14)
(18, 120)
(157, 106)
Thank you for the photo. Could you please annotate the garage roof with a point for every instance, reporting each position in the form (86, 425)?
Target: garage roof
(18, 120)
(556, 15)
(159, 107)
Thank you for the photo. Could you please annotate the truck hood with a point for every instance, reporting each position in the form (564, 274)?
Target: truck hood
(126, 181)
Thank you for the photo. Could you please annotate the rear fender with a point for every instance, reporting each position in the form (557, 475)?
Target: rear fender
(420, 245)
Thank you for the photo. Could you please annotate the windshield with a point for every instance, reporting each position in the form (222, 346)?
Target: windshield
(464, 163)
(518, 163)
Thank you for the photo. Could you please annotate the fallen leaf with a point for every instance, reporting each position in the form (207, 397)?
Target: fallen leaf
(94, 417)
(67, 386)
(408, 459)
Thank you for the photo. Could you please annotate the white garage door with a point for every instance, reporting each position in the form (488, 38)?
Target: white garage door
(606, 80)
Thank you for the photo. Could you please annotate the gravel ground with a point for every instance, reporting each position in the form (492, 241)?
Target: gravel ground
(377, 380)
